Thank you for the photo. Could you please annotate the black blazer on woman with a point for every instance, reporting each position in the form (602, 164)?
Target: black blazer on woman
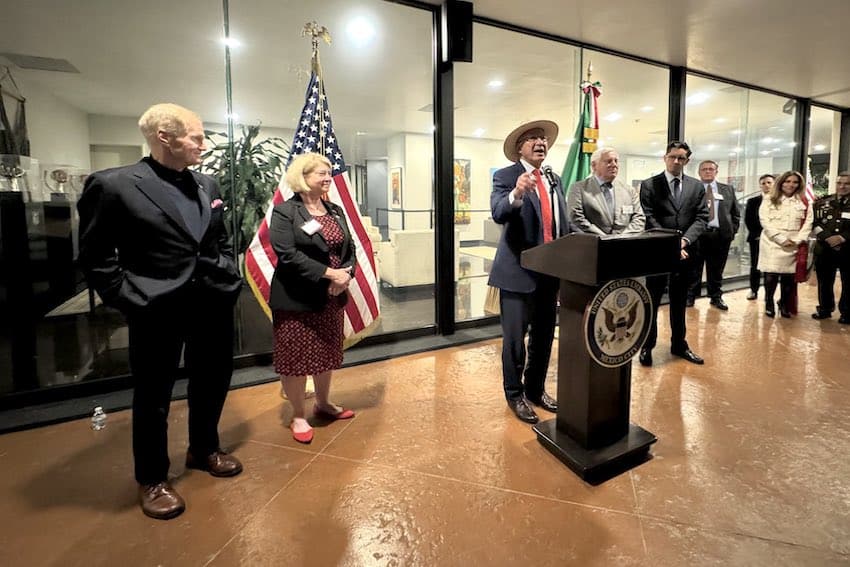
(298, 283)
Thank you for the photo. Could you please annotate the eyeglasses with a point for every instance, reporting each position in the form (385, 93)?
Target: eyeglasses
(682, 159)
(535, 138)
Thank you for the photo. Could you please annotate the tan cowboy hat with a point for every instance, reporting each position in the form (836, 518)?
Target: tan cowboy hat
(550, 129)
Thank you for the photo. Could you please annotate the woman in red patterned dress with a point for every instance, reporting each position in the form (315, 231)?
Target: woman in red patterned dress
(315, 264)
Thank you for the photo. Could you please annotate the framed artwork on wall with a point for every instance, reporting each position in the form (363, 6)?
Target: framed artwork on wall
(462, 168)
(396, 188)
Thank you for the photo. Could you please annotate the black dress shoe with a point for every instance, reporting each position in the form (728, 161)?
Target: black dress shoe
(844, 319)
(752, 295)
(689, 302)
(720, 304)
(769, 309)
(784, 312)
(688, 355)
(546, 402)
(821, 315)
(645, 357)
(217, 463)
(523, 411)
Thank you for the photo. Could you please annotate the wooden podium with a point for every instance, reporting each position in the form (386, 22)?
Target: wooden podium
(592, 434)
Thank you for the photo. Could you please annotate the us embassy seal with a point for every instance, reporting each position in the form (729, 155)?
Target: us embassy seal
(616, 322)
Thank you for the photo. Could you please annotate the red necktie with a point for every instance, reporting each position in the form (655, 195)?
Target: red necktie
(545, 207)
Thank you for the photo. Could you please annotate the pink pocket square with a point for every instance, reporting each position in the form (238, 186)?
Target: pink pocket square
(216, 203)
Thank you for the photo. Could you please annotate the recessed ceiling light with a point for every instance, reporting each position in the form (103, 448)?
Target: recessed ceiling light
(653, 143)
(820, 147)
(698, 98)
(478, 132)
(496, 83)
(737, 149)
(764, 152)
(647, 108)
(733, 153)
(735, 132)
(359, 133)
(361, 31)
(613, 117)
(775, 150)
(712, 146)
(719, 120)
(767, 140)
(231, 42)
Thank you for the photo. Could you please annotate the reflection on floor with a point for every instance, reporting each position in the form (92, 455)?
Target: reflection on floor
(750, 468)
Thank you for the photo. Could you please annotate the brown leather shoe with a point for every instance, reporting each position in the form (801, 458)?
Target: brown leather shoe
(217, 463)
(160, 501)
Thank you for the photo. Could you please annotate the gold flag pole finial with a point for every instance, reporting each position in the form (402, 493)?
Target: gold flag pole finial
(589, 70)
(315, 31)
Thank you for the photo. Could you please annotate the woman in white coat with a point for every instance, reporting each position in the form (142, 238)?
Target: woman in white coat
(786, 218)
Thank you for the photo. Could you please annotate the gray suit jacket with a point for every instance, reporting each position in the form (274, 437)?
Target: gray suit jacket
(588, 209)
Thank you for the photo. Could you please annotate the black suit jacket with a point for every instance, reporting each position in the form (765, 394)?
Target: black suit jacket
(728, 212)
(298, 283)
(689, 217)
(135, 246)
(751, 218)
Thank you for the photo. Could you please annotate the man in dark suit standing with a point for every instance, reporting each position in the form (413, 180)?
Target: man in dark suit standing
(753, 224)
(832, 252)
(724, 218)
(673, 200)
(530, 205)
(153, 244)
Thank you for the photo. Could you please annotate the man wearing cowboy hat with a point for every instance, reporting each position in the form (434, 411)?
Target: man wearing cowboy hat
(530, 205)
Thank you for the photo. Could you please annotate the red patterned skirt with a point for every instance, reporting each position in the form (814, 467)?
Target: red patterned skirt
(308, 342)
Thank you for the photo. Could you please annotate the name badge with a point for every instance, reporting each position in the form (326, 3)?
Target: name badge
(628, 210)
(845, 215)
(718, 196)
(311, 227)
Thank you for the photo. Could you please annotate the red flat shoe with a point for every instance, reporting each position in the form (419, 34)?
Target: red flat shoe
(341, 414)
(303, 437)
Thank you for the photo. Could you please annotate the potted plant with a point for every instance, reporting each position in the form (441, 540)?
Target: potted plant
(248, 181)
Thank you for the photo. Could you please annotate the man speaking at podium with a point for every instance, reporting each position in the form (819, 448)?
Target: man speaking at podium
(528, 200)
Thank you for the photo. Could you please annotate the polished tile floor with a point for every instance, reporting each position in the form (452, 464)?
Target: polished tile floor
(750, 468)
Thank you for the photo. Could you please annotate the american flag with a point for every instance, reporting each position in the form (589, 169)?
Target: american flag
(810, 190)
(316, 134)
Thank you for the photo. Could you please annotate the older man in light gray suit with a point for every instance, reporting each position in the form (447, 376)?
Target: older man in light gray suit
(602, 204)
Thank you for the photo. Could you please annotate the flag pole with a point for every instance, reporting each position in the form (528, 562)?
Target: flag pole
(315, 31)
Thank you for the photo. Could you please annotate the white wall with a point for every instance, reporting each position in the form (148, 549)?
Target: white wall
(58, 132)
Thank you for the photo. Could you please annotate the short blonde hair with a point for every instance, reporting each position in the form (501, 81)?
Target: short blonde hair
(168, 117)
(301, 166)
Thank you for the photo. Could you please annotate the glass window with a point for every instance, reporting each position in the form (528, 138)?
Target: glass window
(378, 79)
(748, 133)
(824, 133)
(82, 105)
(493, 95)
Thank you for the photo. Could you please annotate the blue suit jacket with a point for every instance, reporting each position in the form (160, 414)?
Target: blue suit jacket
(523, 229)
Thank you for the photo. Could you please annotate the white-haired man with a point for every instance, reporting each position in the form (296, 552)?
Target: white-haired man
(602, 204)
(153, 244)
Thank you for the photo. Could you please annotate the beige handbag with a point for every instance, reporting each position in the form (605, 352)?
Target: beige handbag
(491, 302)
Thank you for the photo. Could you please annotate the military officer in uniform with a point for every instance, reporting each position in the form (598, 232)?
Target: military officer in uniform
(832, 251)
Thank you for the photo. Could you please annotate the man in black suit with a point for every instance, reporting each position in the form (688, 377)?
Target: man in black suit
(531, 206)
(753, 224)
(673, 200)
(153, 244)
(724, 218)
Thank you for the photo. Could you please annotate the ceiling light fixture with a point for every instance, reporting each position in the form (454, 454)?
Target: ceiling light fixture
(719, 120)
(820, 147)
(613, 117)
(697, 98)
(231, 42)
(361, 31)
(647, 108)
(496, 84)
(478, 132)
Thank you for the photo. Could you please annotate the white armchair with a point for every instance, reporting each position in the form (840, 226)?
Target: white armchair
(407, 259)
